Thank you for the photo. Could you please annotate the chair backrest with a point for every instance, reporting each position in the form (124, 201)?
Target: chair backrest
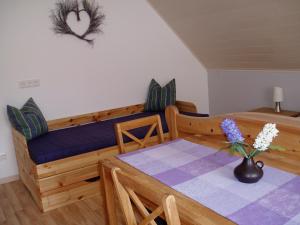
(123, 128)
(127, 197)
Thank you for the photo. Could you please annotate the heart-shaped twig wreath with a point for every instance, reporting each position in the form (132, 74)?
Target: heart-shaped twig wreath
(64, 8)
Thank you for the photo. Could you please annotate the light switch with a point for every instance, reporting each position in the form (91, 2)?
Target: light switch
(29, 83)
(2, 156)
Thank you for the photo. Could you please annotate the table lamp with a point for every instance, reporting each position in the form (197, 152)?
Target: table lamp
(277, 98)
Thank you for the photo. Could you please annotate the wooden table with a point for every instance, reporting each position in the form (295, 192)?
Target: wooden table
(190, 211)
(271, 111)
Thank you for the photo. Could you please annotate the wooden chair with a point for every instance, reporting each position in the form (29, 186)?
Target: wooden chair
(123, 129)
(127, 196)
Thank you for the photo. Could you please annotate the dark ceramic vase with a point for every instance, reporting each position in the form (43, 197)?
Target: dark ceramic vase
(249, 171)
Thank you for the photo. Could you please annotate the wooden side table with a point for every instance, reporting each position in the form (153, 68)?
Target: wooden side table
(271, 111)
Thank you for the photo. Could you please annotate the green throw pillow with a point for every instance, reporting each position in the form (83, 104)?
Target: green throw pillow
(28, 120)
(160, 97)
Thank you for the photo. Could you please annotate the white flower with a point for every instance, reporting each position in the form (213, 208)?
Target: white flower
(265, 137)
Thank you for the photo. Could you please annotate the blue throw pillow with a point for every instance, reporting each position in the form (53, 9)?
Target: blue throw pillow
(160, 97)
(28, 120)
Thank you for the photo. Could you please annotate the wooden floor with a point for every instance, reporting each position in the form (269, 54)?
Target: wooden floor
(18, 208)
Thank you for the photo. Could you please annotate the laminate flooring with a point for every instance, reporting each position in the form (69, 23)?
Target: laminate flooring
(18, 208)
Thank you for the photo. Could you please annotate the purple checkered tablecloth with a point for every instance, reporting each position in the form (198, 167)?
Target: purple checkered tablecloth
(206, 175)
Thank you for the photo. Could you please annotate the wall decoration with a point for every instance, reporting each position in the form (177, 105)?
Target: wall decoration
(80, 20)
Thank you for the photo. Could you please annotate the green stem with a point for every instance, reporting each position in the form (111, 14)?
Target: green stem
(240, 148)
(253, 153)
(245, 154)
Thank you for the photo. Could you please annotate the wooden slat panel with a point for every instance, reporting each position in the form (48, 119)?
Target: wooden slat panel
(74, 194)
(27, 169)
(68, 178)
(94, 117)
(109, 114)
(76, 162)
(32, 186)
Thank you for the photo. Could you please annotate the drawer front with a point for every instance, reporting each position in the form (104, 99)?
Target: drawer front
(86, 174)
(68, 196)
(75, 162)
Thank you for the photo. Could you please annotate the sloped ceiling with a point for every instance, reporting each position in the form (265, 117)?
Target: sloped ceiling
(237, 34)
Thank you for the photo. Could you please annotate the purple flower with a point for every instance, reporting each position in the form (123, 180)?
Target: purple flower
(232, 132)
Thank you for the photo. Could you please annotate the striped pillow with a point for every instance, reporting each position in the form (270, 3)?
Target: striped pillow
(160, 97)
(29, 120)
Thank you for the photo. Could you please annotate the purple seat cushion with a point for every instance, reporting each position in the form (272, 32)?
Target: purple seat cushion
(73, 141)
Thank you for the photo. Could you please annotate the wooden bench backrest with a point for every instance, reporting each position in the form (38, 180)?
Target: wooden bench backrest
(249, 123)
(109, 114)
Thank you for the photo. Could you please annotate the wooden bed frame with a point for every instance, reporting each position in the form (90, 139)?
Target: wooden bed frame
(67, 180)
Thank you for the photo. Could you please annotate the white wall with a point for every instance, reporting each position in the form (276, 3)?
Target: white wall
(76, 78)
(243, 90)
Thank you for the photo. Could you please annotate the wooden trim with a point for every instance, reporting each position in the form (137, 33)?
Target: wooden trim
(109, 114)
(5, 180)
(94, 117)
(186, 106)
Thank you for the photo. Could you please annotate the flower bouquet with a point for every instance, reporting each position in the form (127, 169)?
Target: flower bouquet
(249, 171)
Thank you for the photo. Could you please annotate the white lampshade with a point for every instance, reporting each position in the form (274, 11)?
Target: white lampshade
(277, 94)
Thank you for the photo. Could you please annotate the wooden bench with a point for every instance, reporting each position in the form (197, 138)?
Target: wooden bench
(64, 181)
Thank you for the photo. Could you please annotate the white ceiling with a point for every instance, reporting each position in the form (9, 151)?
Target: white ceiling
(237, 34)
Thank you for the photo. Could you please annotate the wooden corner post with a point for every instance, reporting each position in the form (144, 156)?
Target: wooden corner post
(171, 113)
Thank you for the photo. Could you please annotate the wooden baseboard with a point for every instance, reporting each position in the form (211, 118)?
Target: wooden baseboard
(9, 179)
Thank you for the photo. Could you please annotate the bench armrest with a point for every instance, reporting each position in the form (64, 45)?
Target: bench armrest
(184, 106)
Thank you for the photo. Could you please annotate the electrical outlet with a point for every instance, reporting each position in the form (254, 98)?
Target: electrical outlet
(29, 83)
(2, 156)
